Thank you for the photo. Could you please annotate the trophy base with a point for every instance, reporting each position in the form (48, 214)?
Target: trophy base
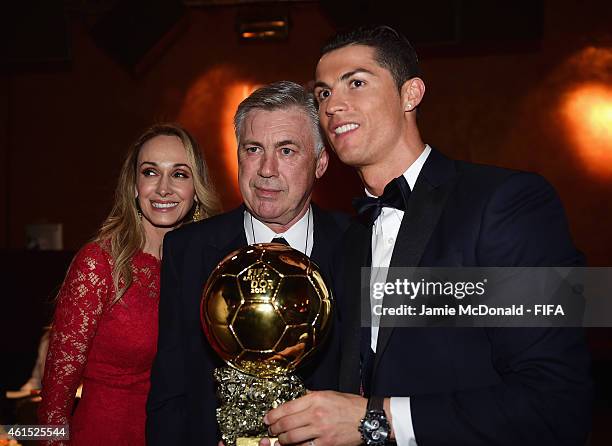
(245, 400)
(252, 441)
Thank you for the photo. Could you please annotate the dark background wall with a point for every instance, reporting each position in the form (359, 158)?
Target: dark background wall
(64, 127)
(81, 79)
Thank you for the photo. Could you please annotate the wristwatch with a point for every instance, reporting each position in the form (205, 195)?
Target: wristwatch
(374, 426)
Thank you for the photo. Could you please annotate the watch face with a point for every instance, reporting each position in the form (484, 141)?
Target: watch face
(374, 428)
(372, 424)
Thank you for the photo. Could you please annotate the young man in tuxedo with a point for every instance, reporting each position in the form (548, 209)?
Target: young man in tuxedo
(280, 156)
(435, 386)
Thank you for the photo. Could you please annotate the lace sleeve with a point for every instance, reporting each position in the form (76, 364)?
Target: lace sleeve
(80, 305)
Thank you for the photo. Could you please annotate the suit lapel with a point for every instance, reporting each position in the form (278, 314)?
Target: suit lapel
(427, 201)
(237, 242)
(230, 237)
(323, 242)
(357, 255)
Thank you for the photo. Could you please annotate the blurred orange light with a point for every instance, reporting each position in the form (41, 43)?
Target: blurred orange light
(588, 112)
(208, 111)
(234, 95)
(258, 34)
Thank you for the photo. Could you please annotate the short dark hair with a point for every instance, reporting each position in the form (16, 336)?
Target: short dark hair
(392, 49)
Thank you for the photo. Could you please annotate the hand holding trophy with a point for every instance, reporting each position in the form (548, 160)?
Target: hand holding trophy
(265, 310)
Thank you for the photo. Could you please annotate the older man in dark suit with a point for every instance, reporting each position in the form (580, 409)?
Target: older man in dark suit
(435, 386)
(280, 156)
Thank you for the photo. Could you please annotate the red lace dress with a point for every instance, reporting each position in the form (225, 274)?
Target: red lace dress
(109, 349)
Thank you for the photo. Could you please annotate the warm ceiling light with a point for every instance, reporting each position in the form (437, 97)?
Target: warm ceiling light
(255, 27)
(588, 112)
(258, 35)
(600, 117)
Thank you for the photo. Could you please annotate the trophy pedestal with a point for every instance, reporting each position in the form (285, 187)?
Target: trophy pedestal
(252, 441)
(245, 399)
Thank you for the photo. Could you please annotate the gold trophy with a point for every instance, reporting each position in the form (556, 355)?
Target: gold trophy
(265, 310)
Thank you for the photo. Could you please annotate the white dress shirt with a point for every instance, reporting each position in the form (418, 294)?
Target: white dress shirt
(300, 236)
(384, 234)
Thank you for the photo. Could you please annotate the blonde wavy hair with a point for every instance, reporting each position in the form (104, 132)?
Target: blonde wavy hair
(122, 232)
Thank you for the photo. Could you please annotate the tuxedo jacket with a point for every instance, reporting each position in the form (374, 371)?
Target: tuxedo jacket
(475, 386)
(182, 401)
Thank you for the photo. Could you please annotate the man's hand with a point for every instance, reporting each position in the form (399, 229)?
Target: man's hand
(326, 417)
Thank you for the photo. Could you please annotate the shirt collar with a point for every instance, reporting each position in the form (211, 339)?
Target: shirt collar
(412, 173)
(295, 235)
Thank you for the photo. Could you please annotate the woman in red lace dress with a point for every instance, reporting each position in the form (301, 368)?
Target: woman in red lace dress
(105, 326)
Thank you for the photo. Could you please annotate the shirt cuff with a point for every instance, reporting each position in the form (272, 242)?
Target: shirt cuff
(402, 421)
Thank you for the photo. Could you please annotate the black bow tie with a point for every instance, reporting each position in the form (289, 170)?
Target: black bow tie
(395, 195)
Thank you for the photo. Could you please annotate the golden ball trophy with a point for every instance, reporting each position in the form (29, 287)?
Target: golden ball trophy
(265, 310)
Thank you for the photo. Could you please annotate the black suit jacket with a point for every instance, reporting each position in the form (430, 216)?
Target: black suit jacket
(182, 401)
(475, 386)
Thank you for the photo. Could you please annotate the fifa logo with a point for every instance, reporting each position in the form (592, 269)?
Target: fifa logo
(260, 280)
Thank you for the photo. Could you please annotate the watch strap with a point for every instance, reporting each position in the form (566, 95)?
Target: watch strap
(376, 403)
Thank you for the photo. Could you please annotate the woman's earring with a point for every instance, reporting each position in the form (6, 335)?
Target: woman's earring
(197, 214)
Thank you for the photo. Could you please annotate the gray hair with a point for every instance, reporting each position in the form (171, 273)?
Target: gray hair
(281, 95)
